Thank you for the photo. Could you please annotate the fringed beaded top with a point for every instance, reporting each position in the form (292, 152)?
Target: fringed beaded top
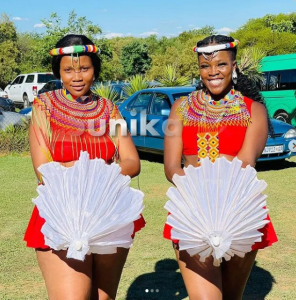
(67, 126)
(213, 127)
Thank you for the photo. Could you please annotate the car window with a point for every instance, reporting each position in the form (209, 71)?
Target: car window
(141, 102)
(16, 81)
(159, 103)
(43, 78)
(21, 79)
(30, 79)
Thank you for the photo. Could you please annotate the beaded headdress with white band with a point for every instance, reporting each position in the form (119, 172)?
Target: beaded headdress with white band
(209, 52)
(76, 49)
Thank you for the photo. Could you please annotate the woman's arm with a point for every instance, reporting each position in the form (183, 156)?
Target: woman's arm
(173, 144)
(256, 136)
(128, 155)
(38, 138)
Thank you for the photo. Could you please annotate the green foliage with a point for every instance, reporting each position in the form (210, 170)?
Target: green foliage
(9, 52)
(136, 83)
(15, 139)
(105, 91)
(170, 78)
(135, 58)
(55, 31)
(250, 63)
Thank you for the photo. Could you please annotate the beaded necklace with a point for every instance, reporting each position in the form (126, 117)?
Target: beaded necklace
(199, 109)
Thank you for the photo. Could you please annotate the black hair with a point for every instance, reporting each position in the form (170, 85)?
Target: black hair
(246, 86)
(71, 40)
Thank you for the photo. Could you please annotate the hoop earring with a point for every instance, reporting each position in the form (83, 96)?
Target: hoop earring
(62, 83)
(234, 77)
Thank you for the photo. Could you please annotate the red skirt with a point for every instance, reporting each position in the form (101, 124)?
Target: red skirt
(35, 238)
(269, 236)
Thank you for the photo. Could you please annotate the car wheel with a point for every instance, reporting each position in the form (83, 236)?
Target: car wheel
(26, 101)
(282, 116)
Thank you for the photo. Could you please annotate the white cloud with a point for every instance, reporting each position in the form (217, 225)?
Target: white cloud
(179, 27)
(40, 25)
(103, 10)
(225, 30)
(148, 33)
(112, 35)
(191, 25)
(19, 19)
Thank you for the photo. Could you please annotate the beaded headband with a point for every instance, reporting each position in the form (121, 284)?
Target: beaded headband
(209, 52)
(74, 50)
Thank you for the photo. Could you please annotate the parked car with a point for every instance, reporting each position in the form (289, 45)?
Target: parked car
(25, 87)
(157, 102)
(3, 94)
(8, 118)
(6, 104)
(51, 86)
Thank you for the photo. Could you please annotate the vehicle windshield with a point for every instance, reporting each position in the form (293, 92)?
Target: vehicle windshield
(179, 95)
(43, 78)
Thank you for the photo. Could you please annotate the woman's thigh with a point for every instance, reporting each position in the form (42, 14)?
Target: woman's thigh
(235, 274)
(65, 278)
(202, 280)
(107, 269)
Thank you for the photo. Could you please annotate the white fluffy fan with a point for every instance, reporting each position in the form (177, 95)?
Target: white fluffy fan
(216, 209)
(88, 208)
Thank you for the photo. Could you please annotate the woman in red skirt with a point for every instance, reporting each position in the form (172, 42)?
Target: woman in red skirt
(65, 122)
(223, 118)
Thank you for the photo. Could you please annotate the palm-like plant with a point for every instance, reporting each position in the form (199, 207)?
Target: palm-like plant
(105, 91)
(250, 63)
(170, 77)
(136, 83)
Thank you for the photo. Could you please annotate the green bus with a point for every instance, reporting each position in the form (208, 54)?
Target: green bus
(279, 86)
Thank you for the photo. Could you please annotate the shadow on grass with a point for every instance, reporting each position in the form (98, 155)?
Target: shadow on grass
(163, 284)
(275, 165)
(259, 284)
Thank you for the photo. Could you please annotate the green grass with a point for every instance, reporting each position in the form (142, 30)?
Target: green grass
(150, 264)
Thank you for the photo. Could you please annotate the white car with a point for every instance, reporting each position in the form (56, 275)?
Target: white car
(25, 87)
(3, 94)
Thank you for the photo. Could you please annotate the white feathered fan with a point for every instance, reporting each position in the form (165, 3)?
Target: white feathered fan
(88, 208)
(216, 209)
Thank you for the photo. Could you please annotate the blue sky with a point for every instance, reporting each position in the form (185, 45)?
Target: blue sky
(142, 18)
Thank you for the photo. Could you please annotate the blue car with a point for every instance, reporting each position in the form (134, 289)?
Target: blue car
(155, 104)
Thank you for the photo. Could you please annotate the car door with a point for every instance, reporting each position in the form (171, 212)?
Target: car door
(135, 114)
(12, 88)
(158, 112)
(17, 89)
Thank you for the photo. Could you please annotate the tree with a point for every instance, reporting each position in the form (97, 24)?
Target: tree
(250, 63)
(9, 52)
(169, 77)
(135, 58)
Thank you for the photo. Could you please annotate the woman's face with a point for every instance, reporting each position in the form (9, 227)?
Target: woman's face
(79, 79)
(216, 74)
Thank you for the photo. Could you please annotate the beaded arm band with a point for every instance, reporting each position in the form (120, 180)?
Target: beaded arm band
(214, 48)
(74, 49)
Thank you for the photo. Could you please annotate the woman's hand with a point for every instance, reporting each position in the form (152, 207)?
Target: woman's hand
(256, 136)
(173, 144)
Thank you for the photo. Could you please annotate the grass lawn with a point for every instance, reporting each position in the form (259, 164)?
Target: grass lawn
(150, 265)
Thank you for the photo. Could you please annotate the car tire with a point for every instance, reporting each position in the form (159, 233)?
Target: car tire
(26, 101)
(282, 116)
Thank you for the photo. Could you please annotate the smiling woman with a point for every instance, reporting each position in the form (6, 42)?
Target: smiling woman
(219, 120)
